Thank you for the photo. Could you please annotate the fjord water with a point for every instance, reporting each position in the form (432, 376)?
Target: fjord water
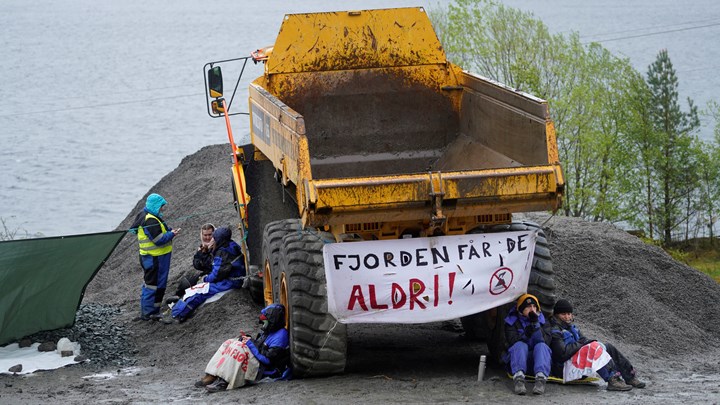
(99, 100)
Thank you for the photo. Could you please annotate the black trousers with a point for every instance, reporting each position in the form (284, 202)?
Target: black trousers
(620, 363)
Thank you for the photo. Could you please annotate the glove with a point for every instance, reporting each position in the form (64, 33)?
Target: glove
(533, 317)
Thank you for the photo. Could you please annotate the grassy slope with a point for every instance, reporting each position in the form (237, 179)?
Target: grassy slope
(699, 254)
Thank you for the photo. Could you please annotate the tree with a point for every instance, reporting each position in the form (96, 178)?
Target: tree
(708, 174)
(583, 86)
(639, 183)
(674, 128)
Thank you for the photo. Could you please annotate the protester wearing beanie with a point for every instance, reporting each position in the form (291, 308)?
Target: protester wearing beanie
(528, 344)
(526, 300)
(601, 358)
(562, 307)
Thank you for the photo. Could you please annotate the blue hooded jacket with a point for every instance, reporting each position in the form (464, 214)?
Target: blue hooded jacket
(519, 328)
(272, 346)
(153, 204)
(228, 259)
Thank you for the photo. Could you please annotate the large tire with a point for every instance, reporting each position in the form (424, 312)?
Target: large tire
(489, 326)
(269, 202)
(318, 342)
(272, 241)
(256, 288)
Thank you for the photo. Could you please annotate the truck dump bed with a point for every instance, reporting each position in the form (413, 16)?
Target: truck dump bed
(378, 126)
(365, 115)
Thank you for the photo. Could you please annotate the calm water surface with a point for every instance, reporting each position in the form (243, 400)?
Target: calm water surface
(101, 99)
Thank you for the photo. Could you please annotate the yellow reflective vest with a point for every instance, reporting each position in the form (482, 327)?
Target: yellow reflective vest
(148, 246)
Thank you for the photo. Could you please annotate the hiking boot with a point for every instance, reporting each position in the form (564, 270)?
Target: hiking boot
(217, 386)
(540, 381)
(172, 300)
(519, 379)
(635, 383)
(616, 384)
(168, 319)
(141, 318)
(205, 381)
(155, 317)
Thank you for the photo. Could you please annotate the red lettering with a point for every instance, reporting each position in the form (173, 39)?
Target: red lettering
(417, 287)
(437, 290)
(373, 299)
(398, 296)
(357, 296)
(227, 349)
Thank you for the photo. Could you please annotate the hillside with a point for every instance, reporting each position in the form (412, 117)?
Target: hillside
(662, 314)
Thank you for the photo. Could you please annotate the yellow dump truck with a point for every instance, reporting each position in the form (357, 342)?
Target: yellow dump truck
(364, 136)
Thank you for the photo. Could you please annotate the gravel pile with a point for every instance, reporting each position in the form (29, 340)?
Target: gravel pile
(627, 291)
(624, 291)
(101, 340)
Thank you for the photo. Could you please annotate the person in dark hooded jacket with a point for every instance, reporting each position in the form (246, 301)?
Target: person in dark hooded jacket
(228, 271)
(271, 347)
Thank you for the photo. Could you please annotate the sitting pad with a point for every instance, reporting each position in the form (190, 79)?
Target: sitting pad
(559, 380)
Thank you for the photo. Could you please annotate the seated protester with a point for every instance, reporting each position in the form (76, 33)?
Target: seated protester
(268, 355)
(202, 261)
(228, 272)
(575, 356)
(528, 341)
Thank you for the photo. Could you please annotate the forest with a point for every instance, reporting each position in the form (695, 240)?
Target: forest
(629, 147)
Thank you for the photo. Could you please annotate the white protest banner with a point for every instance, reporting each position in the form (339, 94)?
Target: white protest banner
(426, 279)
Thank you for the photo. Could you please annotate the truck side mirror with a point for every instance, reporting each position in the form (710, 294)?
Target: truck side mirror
(215, 82)
(217, 106)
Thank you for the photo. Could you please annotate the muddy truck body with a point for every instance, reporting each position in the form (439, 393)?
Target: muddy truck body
(363, 132)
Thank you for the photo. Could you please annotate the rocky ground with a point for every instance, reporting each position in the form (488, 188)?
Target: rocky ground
(661, 314)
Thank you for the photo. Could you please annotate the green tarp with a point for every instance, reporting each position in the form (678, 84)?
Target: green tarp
(42, 281)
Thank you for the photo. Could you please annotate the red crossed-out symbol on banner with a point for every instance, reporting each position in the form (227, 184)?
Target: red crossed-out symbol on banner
(500, 281)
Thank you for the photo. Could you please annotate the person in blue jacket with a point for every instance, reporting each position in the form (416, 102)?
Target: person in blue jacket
(568, 340)
(271, 348)
(228, 271)
(155, 242)
(528, 339)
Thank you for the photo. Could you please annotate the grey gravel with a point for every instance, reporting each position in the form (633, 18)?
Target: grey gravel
(102, 341)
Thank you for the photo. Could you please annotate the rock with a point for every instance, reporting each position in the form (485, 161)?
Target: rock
(80, 358)
(66, 353)
(47, 347)
(64, 345)
(16, 368)
(25, 342)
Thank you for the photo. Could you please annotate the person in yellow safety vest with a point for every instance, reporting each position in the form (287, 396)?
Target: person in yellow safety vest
(155, 242)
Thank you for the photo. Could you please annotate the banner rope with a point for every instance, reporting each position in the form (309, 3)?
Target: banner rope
(184, 218)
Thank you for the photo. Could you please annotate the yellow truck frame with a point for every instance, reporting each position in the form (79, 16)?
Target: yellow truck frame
(373, 134)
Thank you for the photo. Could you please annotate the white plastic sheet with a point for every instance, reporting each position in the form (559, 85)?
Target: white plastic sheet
(32, 360)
